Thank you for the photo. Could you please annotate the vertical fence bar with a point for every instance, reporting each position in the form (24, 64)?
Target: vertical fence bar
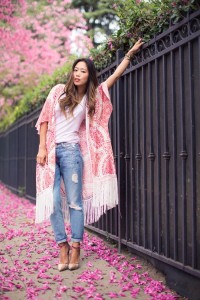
(174, 166)
(158, 160)
(8, 160)
(131, 126)
(183, 155)
(138, 162)
(166, 157)
(126, 167)
(25, 158)
(193, 159)
(117, 211)
(144, 138)
(17, 158)
(126, 133)
(119, 55)
(151, 156)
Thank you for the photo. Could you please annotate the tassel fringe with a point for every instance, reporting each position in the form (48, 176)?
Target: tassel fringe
(44, 205)
(105, 197)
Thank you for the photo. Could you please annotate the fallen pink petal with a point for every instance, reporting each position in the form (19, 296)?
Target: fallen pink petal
(29, 257)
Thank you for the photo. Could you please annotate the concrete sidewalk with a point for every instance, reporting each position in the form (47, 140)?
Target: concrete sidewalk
(29, 257)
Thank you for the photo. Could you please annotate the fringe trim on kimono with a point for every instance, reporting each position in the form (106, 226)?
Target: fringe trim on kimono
(44, 205)
(105, 197)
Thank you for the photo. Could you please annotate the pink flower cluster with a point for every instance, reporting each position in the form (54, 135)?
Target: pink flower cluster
(35, 41)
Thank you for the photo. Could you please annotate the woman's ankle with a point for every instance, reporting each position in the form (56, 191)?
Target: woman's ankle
(64, 244)
(76, 245)
(64, 253)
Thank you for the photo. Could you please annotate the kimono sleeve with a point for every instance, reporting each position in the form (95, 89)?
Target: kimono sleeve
(103, 90)
(103, 105)
(47, 109)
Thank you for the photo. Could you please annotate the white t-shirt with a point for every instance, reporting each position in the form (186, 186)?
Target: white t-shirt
(67, 128)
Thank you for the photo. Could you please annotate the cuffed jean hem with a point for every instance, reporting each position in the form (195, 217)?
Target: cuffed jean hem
(62, 241)
(76, 240)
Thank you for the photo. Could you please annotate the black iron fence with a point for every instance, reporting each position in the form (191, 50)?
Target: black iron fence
(155, 129)
(18, 148)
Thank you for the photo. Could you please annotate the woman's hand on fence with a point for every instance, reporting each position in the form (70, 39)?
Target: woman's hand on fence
(135, 48)
(42, 156)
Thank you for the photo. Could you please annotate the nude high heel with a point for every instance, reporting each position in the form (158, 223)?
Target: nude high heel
(75, 266)
(61, 266)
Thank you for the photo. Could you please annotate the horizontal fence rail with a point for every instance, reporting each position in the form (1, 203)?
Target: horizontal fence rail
(154, 129)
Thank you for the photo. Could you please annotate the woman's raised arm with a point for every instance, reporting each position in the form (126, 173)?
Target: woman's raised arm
(124, 64)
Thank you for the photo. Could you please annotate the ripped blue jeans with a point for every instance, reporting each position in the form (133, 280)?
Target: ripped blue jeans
(69, 166)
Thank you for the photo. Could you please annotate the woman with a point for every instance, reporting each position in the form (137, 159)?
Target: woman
(73, 128)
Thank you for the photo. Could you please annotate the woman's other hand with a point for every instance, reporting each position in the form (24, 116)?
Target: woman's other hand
(42, 156)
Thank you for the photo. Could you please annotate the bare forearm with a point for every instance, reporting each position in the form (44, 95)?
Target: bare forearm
(42, 155)
(124, 64)
(43, 133)
(118, 72)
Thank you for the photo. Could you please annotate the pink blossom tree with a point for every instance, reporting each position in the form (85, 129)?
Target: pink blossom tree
(36, 38)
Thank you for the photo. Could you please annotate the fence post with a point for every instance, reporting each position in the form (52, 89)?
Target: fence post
(119, 55)
(25, 157)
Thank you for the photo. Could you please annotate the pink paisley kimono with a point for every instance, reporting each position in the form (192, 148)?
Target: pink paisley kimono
(100, 191)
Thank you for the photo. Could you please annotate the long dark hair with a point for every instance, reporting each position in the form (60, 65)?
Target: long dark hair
(70, 91)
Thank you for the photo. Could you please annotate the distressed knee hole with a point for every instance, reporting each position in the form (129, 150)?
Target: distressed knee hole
(74, 206)
(75, 177)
